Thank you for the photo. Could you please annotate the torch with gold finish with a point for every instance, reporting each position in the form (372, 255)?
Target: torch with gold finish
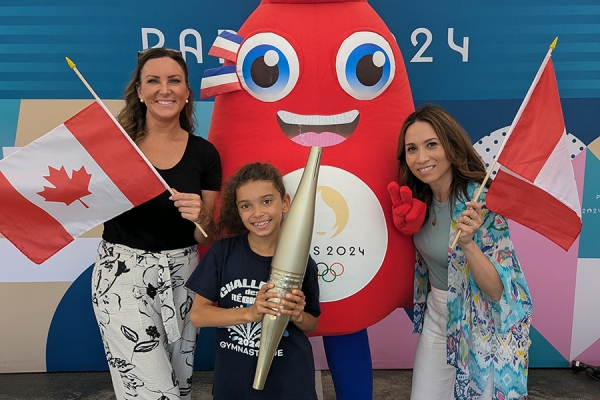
(289, 261)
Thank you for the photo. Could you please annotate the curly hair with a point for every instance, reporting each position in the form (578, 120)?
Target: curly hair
(133, 115)
(229, 222)
(466, 164)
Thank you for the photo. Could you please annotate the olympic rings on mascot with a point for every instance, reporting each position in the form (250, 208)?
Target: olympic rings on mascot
(328, 274)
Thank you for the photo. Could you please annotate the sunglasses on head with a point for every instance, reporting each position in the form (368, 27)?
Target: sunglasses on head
(141, 52)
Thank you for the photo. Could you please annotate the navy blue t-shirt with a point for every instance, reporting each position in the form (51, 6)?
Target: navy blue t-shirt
(231, 274)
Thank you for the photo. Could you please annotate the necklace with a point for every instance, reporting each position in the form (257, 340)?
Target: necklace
(435, 214)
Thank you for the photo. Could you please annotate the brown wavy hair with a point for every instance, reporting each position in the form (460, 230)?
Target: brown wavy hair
(229, 222)
(133, 115)
(466, 164)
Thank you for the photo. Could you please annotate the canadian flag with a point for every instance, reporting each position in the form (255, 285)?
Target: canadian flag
(535, 185)
(73, 178)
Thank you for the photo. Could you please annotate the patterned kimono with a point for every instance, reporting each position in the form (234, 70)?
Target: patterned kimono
(482, 334)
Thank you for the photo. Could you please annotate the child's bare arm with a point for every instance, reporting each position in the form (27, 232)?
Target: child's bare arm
(205, 314)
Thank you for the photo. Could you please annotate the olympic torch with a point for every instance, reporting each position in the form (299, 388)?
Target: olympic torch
(289, 261)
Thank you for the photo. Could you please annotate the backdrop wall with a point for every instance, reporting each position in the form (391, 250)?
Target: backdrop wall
(473, 58)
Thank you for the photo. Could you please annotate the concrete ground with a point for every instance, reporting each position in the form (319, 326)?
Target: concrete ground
(550, 384)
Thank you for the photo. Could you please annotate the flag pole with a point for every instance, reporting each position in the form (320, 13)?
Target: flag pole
(87, 85)
(511, 128)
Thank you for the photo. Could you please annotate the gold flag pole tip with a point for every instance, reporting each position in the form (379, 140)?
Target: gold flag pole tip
(553, 45)
(71, 63)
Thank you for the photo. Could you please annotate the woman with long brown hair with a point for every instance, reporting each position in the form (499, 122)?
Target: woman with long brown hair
(472, 305)
(147, 253)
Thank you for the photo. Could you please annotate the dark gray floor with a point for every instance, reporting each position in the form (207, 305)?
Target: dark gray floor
(551, 384)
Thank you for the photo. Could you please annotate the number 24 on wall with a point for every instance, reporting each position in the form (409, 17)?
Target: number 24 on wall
(464, 50)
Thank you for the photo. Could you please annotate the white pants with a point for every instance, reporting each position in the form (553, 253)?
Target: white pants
(142, 308)
(433, 378)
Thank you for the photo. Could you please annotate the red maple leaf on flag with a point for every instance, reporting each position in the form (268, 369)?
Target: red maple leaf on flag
(66, 190)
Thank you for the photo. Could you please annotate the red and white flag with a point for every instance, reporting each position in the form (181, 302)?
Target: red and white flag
(535, 185)
(73, 178)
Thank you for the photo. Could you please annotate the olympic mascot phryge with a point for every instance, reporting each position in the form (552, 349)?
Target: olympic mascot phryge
(329, 73)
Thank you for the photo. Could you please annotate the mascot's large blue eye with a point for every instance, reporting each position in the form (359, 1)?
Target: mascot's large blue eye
(365, 65)
(267, 66)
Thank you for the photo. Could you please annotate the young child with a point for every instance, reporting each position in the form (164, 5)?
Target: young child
(234, 273)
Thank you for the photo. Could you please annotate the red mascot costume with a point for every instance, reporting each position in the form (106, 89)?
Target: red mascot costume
(325, 73)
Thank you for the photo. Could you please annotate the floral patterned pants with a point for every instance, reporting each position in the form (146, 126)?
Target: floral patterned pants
(142, 308)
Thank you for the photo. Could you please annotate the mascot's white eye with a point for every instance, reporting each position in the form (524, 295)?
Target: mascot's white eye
(365, 65)
(267, 66)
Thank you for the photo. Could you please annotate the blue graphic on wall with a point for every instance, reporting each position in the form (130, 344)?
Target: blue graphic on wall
(449, 53)
(74, 342)
(75, 346)
(590, 211)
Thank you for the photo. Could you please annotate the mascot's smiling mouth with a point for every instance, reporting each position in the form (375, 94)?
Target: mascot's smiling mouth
(318, 130)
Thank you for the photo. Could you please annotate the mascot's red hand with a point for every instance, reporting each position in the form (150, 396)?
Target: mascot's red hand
(408, 212)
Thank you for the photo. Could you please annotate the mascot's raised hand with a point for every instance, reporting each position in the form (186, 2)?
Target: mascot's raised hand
(408, 213)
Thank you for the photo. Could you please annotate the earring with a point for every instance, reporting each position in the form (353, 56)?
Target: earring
(187, 101)
(141, 100)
